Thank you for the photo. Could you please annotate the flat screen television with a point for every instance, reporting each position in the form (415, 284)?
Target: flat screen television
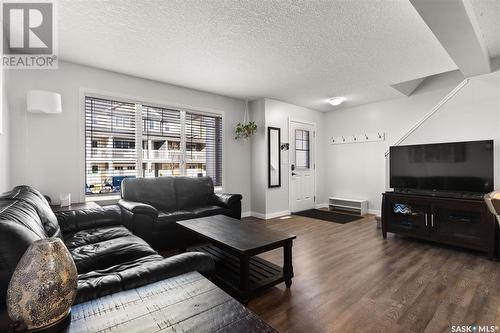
(447, 167)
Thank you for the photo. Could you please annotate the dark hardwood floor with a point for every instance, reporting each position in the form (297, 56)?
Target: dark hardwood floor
(348, 279)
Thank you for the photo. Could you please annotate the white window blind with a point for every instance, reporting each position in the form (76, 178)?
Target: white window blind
(204, 146)
(173, 143)
(161, 142)
(110, 150)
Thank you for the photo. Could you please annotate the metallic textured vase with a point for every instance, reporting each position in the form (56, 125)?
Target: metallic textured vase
(43, 286)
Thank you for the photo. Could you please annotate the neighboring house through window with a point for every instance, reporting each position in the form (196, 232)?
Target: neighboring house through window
(138, 140)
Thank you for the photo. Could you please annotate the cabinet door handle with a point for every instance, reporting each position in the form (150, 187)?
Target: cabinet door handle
(432, 220)
(426, 224)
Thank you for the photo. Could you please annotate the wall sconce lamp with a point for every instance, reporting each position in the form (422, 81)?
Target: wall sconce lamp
(40, 101)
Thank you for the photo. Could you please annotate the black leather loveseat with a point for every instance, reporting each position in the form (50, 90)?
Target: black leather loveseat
(108, 256)
(153, 205)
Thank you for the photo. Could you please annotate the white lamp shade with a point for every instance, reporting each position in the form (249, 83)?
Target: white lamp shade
(40, 101)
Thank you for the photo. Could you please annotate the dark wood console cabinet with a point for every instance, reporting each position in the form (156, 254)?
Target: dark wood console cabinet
(461, 222)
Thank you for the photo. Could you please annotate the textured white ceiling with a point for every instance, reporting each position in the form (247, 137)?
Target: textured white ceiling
(488, 18)
(299, 52)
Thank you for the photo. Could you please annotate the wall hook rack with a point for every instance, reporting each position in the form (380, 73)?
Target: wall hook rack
(359, 138)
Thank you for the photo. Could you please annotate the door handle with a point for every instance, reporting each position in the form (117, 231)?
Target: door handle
(432, 220)
(426, 223)
(294, 174)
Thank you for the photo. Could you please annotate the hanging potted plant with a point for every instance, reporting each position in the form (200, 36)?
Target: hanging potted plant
(247, 128)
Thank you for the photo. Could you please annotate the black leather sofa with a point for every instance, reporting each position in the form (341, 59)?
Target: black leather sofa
(108, 256)
(152, 206)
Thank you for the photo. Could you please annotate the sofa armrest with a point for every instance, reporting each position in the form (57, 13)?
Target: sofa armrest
(76, 220)
(226, 199)
(188, 262)
(230, 201)
(138, 207)
(139, 218)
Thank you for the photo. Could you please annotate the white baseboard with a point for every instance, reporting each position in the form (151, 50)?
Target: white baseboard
(258, 215)
(268, 216)
(277, 214)
(246, 214)
(321, 205)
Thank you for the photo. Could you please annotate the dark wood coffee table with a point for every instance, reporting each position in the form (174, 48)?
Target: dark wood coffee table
(234, 245)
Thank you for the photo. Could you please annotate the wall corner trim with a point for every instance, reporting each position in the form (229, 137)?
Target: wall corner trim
(375, 212)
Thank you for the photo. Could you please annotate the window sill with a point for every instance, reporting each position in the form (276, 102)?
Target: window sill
(116, 197)
(109, 199)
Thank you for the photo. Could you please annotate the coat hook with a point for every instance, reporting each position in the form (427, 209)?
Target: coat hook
(343, 139)
(379, 136)
(366, 136)
(354, 136)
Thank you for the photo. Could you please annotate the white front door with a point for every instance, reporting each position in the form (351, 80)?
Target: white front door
(301, 166)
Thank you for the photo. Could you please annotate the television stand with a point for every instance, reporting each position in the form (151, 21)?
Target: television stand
(463, 222)
(442, 194)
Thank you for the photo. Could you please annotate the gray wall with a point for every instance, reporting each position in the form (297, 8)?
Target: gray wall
(47, 151)
(4, 138)
(278, 114)
(359, 170)
(272, 202)
(259, 158)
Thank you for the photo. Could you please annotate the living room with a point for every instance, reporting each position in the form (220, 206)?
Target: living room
(250, 166)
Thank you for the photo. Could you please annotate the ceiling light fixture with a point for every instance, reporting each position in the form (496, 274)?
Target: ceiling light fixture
(336, 100)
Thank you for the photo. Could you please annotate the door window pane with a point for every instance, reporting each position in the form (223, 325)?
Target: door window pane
(302, 151)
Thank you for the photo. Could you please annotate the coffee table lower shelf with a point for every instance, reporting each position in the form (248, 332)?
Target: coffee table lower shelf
(262, 273)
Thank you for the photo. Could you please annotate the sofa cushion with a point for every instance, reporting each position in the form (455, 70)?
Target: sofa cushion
(209, 210)
(139, 272)
(167, 219)
(39, 203)
(157, 192)
(193, 192)
(106, 253)
(94, 235)
(75, 220)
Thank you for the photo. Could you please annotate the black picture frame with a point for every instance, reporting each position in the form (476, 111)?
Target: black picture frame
(270, 150)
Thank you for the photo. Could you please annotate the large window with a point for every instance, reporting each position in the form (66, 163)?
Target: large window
(138, 140)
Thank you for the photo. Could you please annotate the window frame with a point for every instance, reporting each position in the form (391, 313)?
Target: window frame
(88, 92)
